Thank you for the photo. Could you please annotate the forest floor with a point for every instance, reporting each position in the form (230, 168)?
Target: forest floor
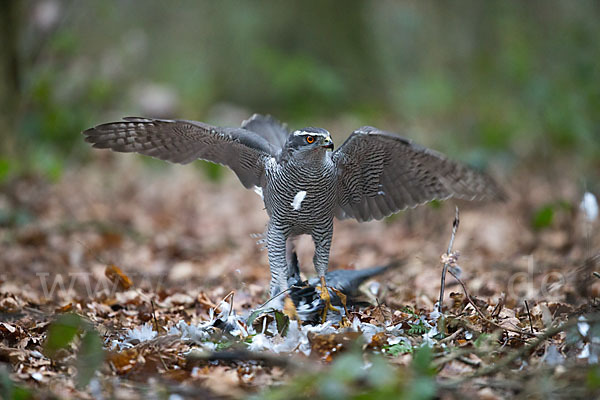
(116, 281)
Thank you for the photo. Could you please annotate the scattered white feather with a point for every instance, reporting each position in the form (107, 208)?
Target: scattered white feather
(95, 388)
(397, 339)
(140, 334)
(589, 206)
(259, 191)
(298, 198)
(583, 326)
(37, 376)
(260, 342)
(196, 333)
(435, 314)
(374, 288)
(36, 354)
(267, 338)
(585, 352)
(553, 356)
(369, 330)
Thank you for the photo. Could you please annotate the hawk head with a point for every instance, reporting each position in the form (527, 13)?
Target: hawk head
(307, 139)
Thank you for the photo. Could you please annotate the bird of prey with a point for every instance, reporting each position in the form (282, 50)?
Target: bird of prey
(304, 183)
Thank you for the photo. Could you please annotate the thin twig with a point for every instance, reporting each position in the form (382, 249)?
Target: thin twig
(482, 315)
(443, 284)
(154, 317)
(451, 337)
(500, 365)
(456, 353)
(241, 355)
(469, 362)
(449, 260)
(446, 264)
(454, 229)
(278, 294)
(529, 315)
(499, 306)
(526, 349)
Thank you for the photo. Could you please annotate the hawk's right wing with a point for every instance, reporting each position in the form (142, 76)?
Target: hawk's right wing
(380, 173)
(182, 142)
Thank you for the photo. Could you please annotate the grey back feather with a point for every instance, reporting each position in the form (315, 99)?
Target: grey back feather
(268, 128)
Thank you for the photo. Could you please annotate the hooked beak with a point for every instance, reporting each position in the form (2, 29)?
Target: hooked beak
(327, 143)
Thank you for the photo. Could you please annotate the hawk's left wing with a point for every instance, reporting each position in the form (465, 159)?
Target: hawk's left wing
(179, 141)
(380, 173)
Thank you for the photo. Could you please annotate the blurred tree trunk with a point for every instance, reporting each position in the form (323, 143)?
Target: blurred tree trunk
(9, 74)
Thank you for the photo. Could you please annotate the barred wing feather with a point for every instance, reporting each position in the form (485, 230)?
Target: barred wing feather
(182, 142)
(380, 173)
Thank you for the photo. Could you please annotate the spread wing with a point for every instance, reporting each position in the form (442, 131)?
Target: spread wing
(182, 142)
(268, 128)
(380, 173)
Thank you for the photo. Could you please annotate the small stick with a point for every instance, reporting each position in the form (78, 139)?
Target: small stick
(236, 356)
(469, 362)
(279, 294)
(452, 337)
(380, 309)
(446, 265)
(154, 317)
(482, 315)
(529, 315)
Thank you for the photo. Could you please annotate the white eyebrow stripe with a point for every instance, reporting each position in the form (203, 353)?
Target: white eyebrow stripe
(304, 133)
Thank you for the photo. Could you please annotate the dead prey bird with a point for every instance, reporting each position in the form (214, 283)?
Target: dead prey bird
(309, 305)
(303, 182)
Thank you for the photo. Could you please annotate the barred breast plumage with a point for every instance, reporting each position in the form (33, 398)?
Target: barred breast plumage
(299, 196)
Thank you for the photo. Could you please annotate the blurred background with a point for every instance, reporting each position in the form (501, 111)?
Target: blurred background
(508, 86)
(508, 83)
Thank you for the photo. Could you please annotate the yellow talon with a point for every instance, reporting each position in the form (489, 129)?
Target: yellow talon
(344, 299)
(327, 300)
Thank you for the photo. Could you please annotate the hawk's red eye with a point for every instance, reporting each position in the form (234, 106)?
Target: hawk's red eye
(310, 139)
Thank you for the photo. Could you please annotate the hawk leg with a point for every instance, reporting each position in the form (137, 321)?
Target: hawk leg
(321, 261)
(276, 244)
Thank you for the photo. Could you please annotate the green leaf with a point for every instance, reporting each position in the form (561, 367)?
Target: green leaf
(481, 339)
(543, 217)
(348, 367)
(5, 167)
(224, 345)
(593, 378)
(257, 313)
(408, 310)
(421, 363)
(89, 357)
(417, 329)
(61, 332)
(8, 389)
(399, 348)
(283, 322)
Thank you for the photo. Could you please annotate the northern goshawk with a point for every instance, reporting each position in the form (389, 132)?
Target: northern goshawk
(303, 182)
